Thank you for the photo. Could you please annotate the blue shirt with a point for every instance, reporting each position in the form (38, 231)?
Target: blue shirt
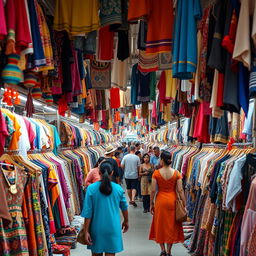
(155, 160)
(104, 212)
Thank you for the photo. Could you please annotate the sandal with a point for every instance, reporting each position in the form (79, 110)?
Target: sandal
(163, 253)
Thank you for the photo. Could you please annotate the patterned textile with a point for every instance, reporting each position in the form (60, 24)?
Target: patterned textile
(195, 235)
(165, 61)
(252, 84)
(13, 238)
(100, 75)
(205, 87)
(40, 235)
(110, 12)
(229, 216)
(147, 62)
(252, 243)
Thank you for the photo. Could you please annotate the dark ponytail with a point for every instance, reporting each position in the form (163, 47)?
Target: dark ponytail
(166, 157)
(106, 168)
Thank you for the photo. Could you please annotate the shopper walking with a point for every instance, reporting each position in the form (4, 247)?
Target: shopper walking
(130, 164)
(155, 158)
(94, 174)
(165, 230)
(109, 153)
(102, 225)
(146, 171)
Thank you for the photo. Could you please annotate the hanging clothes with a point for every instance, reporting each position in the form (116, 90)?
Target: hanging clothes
(185, 52)
(76, 17)
(160, 26)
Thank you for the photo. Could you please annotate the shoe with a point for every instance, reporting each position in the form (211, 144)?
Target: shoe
(163, 254)
(130, 203)
(136, 198)
(134, 204)
(145, 211)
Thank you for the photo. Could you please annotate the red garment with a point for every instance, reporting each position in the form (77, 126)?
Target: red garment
(138, 9)
(220, 91)
(17, 25)
(229, 40)
(201, 129)
(105, 44)
(3, 29)
(3, 133)
(62, 105)
(114, 98)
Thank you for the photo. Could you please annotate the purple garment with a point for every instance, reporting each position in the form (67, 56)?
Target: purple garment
(63, 183)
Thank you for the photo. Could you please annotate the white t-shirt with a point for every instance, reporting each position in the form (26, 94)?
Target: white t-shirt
(131, 163)
(235, 183)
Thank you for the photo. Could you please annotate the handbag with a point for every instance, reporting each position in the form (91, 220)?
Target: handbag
(81, 236)
(181, 212)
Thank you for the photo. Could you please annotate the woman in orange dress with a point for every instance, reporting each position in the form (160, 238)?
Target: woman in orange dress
(165, 230)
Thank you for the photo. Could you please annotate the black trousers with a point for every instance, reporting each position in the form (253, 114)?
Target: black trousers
(146, 202)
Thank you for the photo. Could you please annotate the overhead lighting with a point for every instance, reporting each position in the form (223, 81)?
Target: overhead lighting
(49, 108)
(23, 98)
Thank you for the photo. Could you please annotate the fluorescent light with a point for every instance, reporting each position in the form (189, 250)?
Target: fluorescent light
(49, 108)
(23, 98)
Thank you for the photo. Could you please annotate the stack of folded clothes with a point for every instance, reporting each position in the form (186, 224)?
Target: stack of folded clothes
(67, 236)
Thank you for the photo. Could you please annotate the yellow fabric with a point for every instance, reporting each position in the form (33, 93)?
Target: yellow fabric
(46, 40)
(76, 16)
(16, 135)
(171, 85)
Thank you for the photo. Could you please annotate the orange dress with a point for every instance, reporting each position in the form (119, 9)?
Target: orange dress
(165, 228)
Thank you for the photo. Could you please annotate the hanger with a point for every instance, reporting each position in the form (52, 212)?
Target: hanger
(28, 164)
(8, 158)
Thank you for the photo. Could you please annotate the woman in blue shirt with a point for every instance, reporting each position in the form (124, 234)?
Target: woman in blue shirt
(103, 201)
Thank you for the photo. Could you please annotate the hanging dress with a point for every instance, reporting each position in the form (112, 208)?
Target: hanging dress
(185, 39)
(76, 17)
(160, 26)
(13, 238)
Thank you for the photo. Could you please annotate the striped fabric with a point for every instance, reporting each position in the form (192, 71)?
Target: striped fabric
(252, 83)
(11, 73)
(147, 62)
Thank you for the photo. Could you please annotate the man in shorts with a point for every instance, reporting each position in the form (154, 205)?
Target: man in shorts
(130, 165)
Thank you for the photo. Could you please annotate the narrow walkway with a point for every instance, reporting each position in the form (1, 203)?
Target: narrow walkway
(136, 241)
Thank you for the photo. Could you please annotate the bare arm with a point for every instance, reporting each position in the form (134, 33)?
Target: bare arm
(152, 195)
(125, 225)
(181, 191)
(140, 171)
(88, 239)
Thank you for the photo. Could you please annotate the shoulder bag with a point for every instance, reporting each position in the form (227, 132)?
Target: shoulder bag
(181, 212)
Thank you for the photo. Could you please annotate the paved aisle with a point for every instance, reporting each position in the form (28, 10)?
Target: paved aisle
(136, 241)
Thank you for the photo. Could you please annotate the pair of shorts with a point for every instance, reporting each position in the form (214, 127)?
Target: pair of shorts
(132, 183)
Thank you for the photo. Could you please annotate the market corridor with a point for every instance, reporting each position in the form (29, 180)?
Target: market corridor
(136, 241)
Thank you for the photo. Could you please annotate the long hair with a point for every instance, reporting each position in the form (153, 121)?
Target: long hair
(106, 168)
(142, 160)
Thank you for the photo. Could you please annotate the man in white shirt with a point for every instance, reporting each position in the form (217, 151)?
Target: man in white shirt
(131, 164)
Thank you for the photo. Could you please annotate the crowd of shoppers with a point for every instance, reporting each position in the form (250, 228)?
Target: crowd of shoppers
(147, 174)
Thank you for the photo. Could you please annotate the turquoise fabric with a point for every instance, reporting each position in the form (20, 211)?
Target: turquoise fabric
(104, 212)
(185, 39)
